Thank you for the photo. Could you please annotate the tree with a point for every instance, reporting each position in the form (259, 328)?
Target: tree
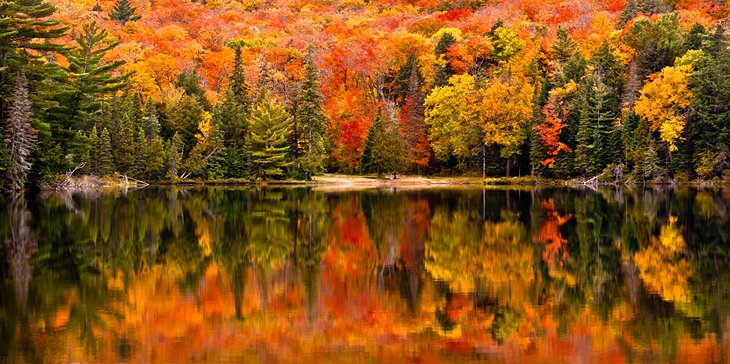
(367, 160)
(450, 115)
(311, 118)
(444, 69)
(412, 124)
(104, 156)
(90, 78)
(593, 143)
(155, 158)
(549, 130)
(20, 136)
(269, 130)
(123, 12)
(389, 152)
(664, 99)
(506, 110)
(140, 154)
(174, 156)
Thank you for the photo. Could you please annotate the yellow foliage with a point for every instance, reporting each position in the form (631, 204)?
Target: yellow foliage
(506, 109)
(663, 267)
(663, 100)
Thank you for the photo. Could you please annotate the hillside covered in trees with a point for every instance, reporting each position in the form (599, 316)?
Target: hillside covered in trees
(635, 90)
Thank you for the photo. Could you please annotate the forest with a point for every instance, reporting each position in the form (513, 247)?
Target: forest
(634, 91)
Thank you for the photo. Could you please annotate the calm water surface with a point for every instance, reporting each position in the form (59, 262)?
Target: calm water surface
(297, 275)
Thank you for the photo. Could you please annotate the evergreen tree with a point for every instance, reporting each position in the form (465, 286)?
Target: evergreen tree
(90, 79)
(20, 136)
(174, 156)
(151, 121)
(104, 156)
(140, 154)
(216, 163)
(268, 143)
(444, 69)
(593, 138)
(239, 89)
(124, 145)
(123, 12)
(190, 83)
(367, 160)
(310, 116)
(388, 151)
(155, 159)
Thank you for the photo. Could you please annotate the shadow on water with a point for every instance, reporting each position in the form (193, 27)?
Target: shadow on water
(372, 275)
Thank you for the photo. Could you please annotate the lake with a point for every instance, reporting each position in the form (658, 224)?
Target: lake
(301, 275)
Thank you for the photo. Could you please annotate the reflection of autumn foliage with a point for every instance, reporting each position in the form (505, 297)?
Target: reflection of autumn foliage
(555, 250)
(492, 302)
(663, 267)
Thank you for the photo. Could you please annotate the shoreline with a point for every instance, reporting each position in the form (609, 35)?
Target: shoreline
(344, 182)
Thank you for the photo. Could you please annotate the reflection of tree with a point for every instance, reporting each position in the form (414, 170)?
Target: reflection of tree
(663, 266)
(411, 248)
(549, 235)
(310, 220)
(20, 244)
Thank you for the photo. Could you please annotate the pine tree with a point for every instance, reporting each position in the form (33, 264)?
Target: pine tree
(310, 116)
(90, 79)
(123, 12)
(593, 140)
(151, 121)
(268, 143)
(20, 136)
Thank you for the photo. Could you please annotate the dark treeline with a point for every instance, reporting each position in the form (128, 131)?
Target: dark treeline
(662, 115)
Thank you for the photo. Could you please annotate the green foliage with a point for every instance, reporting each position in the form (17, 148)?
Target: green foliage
(174, 157)
(123, 12)
(311, 121)
(270, 124)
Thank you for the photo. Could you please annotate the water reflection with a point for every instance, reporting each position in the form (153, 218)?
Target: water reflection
(432, 275)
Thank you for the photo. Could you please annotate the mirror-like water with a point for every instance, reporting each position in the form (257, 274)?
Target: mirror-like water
(280, 275)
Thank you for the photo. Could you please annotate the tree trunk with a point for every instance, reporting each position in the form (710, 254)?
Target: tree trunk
(484, 161)
(508, 160)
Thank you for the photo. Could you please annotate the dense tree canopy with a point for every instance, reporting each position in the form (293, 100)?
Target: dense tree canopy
(634, 91)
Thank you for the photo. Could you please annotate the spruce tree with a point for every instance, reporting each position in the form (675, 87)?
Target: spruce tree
(216, 167)
(123, 12)
(367, 160)
(239, 89)
(412, 122)
(155, 159)
(104, 156)
(20, 136)
(268, 143)
(312, 120)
